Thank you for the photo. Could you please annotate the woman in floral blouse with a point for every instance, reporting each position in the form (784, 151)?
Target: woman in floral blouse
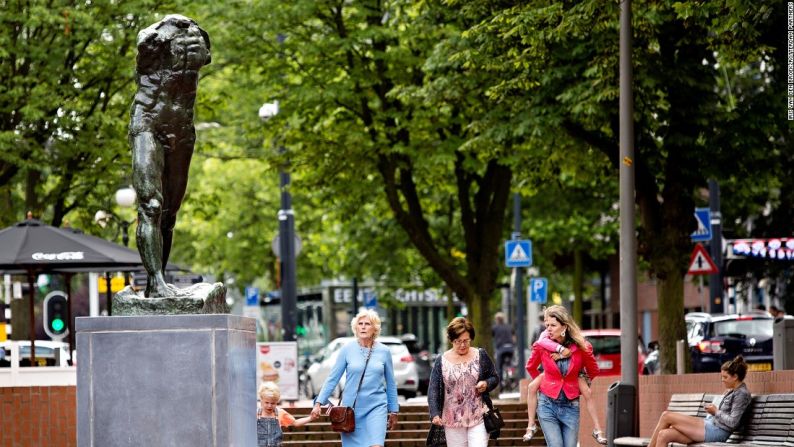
(459, 385)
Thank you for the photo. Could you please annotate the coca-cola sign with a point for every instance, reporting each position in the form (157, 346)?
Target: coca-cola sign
(62, 256)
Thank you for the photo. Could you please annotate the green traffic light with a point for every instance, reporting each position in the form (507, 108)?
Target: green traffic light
(57, 325)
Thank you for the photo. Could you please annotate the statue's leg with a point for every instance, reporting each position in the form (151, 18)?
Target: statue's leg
(147, 161)
(177, 164)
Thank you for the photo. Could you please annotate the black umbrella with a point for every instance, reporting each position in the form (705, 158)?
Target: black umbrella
(31, 244)
(33, 247)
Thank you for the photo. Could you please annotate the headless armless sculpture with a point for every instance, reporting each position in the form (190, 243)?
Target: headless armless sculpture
(161, 133)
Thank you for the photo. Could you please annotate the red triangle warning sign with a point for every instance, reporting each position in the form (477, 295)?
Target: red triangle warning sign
(701, 263)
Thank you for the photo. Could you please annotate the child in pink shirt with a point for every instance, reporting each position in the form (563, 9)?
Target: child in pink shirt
(559, 352)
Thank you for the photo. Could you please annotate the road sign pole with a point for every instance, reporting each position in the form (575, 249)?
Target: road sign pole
(286, 231)
(716, 302)
(519, 276)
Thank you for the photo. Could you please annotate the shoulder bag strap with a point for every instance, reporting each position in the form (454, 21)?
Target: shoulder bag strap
(362, 377)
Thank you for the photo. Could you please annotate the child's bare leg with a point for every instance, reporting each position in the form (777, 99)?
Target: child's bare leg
(532, 400)
(587, 396)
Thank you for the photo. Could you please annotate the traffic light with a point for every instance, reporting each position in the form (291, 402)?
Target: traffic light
(55, 315)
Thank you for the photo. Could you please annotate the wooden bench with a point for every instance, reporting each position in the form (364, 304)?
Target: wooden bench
(691, 404)
(769, 420)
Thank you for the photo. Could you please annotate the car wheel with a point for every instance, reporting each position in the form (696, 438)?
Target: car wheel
(409, 394)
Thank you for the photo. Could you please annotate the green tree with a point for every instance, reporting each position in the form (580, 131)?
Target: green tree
(691, 120)
(67, 76)
(376, 119)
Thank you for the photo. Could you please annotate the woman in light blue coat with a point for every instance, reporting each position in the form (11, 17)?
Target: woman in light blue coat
(376, 404)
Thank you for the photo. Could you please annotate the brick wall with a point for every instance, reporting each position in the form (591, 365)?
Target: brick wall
(655, 392)
(38, 416)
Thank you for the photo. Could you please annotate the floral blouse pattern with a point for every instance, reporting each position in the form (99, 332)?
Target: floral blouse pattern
(462, 403)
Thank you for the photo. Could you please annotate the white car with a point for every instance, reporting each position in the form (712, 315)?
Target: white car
(48, 353)
(405, 373)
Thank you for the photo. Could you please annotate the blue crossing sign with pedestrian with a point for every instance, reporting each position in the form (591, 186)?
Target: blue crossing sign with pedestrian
(518, 253)
(538, 290)
(703, 232)
(370, 299)
(252, 296)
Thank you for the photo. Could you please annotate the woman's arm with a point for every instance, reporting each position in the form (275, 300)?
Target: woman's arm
(434, 399)
(333, 377)
(391, 385)
(730, 417)
(488, 371)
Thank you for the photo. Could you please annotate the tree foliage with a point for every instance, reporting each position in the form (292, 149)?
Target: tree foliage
(706, 93)
(407, 124)
(66, 81)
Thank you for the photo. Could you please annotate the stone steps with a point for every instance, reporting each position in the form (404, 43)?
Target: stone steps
(412, 429)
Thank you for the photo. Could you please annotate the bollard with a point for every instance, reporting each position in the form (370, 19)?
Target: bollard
(679, 357)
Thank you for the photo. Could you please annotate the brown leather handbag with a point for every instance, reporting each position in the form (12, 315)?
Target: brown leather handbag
(343, 419)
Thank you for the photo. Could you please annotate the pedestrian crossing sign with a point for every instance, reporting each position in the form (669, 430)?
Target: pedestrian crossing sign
(518, 253)
(703, 232)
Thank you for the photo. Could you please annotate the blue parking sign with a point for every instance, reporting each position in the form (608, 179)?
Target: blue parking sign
(538, 290)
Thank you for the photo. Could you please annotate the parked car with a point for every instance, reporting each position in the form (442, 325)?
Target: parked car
(714, 340)
(606, 349)
(405, 372)
(48, 353)
(421, 358)
(651, 364)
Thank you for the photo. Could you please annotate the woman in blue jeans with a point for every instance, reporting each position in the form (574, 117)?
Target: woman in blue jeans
(558, 402)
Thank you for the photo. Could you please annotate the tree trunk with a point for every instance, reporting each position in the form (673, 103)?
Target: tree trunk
(31, 193)
(671, 318)
(578, 274)
(480, 316)
(20, 318)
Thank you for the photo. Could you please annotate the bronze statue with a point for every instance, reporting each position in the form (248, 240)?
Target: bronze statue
(170, 54)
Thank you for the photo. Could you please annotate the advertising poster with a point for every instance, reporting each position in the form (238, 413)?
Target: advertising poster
(278, 362)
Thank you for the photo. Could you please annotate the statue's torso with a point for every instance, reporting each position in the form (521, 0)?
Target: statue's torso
(168, 71)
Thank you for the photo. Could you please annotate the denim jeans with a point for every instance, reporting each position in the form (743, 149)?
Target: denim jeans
(559, 419)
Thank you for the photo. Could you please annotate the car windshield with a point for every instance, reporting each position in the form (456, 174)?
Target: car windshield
(605, 345)
(41, 351)
(743, 328)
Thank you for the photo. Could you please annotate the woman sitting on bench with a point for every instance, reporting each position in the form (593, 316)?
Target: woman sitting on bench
(718, 425)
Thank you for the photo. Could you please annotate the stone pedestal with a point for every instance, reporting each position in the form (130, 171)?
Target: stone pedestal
(166, 380)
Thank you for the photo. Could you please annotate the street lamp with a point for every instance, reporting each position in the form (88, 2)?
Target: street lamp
(125, 198)
(286, 231)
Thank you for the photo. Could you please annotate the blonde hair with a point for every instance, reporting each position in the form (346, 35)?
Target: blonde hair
(374, 318)
(269, 389)
(572, 332)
